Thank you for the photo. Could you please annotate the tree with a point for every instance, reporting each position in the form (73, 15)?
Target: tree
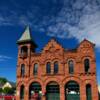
(8, 90)
(3, 80)
(1, 90)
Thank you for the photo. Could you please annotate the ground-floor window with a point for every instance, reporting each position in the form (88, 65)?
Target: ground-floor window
(35, 91)
(72, 91)
(22, 93)
(52, 91)
(88, 92)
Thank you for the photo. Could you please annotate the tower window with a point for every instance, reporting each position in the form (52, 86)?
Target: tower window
(87, 65)
(22, 70)
(56, 66)
(71, 67)
(48, 68)
(24, 50)
(35, 70)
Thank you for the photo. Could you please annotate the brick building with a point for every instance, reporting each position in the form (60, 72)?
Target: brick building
(55, 73)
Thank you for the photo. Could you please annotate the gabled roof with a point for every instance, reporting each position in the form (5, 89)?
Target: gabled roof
(85, 40)
(52, 44)
(26, 36)
(13, 84)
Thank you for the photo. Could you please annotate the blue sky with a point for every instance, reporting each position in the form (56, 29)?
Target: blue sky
(70, 21)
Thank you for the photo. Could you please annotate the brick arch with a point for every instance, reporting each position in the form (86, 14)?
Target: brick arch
(35, 61)
(70, 58)
(55, 59)
(71, 78)
(89, 81)
(35, 80)
(48, 80)
(86, 57)
(20, 84)
(47, 60)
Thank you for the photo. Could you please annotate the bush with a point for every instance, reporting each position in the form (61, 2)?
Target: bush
(8, 90)
(1, 90)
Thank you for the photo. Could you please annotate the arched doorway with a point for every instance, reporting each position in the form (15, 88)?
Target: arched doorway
(72, 91)
(52, 91)
(35, 91)
(22, 92)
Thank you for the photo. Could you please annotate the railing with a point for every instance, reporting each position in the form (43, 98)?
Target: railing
(7, 97)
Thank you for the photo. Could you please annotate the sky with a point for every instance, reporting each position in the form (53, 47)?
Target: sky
(69, 21)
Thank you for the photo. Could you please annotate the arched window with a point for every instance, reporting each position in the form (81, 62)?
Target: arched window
(35, 70)
(88, 92)
(24, 50)
(56, 66)
(22, 93)
(71, 67)
(86, 65)
(22, 70)
(48, 68)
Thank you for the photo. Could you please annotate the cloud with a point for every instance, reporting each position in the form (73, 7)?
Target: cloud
(4, 58)
(60, 18)
(81, 20)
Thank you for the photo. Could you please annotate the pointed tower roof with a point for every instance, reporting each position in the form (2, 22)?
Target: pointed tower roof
(26, 37)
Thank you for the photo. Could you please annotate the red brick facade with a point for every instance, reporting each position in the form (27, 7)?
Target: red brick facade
(52, 52)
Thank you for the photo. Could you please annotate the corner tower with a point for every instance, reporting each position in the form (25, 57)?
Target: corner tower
(26, 47)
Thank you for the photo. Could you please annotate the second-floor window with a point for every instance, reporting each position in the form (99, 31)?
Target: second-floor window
(48, 68)
(22, 70)
(56, 66)
(86, 65)
(71, 67)
(35, 69)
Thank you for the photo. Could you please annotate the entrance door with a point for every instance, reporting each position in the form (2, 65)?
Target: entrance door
(72, 91)
(35, 91)
(53, 92)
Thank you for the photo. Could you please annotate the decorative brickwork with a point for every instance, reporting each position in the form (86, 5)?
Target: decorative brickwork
(53, 52)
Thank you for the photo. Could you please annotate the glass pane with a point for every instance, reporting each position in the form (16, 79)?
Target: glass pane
(53, 91)
(35, 71)
(71, 67)
(86, 65)
(48, 68)
(88, 92)
(22, 70)
(22, 92)
(72, 91)
(56, 67)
